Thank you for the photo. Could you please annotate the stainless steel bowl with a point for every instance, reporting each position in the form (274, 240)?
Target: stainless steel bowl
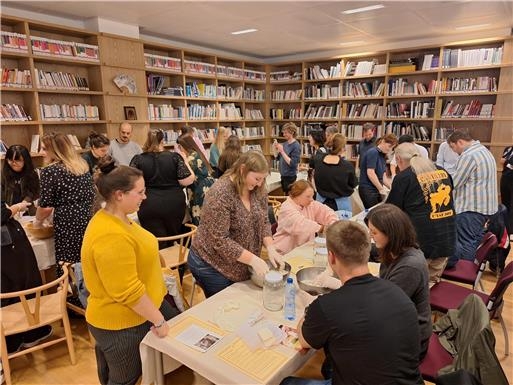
(259, 279)
(307, 274)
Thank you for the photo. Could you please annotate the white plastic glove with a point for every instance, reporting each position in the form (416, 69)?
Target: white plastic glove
(325, 279)
(21, 207)
(259, 265)
(275, 257)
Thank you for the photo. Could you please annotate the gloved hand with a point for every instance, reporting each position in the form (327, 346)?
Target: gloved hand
(275, 257)
(259, 265)
(20, 207)
(325, 279)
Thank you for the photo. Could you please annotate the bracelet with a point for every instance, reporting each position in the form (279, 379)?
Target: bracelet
(160, 324)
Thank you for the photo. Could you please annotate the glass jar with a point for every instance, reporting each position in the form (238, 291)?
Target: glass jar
(273, 291)
(320, 241)
(321, 256)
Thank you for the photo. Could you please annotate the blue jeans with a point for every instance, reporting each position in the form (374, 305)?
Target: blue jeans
(469, 232)
(304, 381)
(344, 206)
(210, 280)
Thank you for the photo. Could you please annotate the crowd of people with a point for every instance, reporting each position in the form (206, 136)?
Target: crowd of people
(423, 218)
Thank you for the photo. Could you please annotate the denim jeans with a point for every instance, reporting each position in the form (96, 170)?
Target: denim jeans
(304, 381)
(210, 280)
(469, 232)
(344, 206)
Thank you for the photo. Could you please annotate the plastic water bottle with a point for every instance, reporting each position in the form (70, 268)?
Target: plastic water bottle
(290, 300)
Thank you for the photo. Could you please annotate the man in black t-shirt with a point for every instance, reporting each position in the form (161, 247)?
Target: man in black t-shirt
(368, 327)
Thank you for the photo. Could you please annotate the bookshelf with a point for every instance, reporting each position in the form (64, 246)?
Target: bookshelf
(426, 91)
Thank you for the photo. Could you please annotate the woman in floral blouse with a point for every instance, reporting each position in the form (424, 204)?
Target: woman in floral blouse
(202, 169)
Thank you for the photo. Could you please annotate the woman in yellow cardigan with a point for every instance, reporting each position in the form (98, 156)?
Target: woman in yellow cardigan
(122, 272)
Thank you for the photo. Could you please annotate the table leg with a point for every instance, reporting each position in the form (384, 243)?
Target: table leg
(159, 368)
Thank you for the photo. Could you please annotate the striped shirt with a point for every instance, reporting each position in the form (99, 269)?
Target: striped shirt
(475, 181)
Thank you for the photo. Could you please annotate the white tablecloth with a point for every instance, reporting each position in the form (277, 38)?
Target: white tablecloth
(44, 249)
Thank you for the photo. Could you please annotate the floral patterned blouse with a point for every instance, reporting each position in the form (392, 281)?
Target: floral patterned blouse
(196, 191)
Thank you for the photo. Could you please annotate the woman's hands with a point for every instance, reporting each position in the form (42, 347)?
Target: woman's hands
(275, 257)
(161, 329)
(259, 266)
(19, 207)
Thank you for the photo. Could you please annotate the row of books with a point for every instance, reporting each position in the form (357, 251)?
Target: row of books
(362, 89)
(474, 109)
(431, 61)
(61, 80)
(364, 67)
(442, 133)
(318, 73)
(253, 114)
(155, 84)
(203, 90)
(360, 110)
(458, 57)
(13, 77)
(165, 112)
(280, 76)
(229, 111)
(65, 112)
(14, 42)
(229, 72)
(355, 131)
(199, 112)
(415, 109)
(322, 91)
(316, 111)
(13, 113)
(53, 47)
(480, 83)
(278, 95)
(249, 132)
(401, 87)
(164, 62)
(419, 132)
(282, 113)
(35, 143)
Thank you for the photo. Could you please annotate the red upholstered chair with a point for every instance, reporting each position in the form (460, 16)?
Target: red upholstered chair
(446, 295)
(470, 272)
(436, 358)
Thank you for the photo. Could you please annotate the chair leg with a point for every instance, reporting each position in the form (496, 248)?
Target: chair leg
(5, 363)
(69, 338)
(193, 289)
(505, 331)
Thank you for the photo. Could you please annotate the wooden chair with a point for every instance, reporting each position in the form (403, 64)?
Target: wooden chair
(43, 309)
(174, 256)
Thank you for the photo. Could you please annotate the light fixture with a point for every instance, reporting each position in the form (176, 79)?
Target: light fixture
(357, 42)
(475, 26)
(244, 31)
(363, 9)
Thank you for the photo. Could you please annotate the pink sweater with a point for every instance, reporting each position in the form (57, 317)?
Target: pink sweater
(298, 225)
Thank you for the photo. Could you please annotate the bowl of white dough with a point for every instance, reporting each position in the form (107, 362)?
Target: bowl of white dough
(259, 279)
(40, 232)
(306, 280)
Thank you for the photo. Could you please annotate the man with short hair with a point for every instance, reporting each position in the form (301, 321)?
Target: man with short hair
(475, 193)
(368, 327)
(368, 140)
(122, 148)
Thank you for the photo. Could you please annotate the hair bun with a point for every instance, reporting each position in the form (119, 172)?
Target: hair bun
(107, 166)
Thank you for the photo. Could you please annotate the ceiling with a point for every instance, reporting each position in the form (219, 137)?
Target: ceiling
(288, 29)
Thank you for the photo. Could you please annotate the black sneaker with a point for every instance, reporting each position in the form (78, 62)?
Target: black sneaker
(14, 343)
(33, 337)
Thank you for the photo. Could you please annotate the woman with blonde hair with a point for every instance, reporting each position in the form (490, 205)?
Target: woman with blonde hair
(165, 174)
(217, 148)
(301, 217)
(230, 154)
(335, 178)
(424, 192)
(201, 169)
(67, 190)
(234, 225)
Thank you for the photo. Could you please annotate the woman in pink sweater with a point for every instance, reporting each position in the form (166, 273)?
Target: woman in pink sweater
(300, 217)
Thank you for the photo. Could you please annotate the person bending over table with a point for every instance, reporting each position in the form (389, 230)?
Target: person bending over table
(121, 266)
(368, 327)
(234, 225)
(300, 217)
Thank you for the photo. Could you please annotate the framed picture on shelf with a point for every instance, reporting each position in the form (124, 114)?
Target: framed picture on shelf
(130, 113)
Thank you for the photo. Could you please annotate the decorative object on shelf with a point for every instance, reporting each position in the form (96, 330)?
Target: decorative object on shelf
(125, 83)
(130, 113)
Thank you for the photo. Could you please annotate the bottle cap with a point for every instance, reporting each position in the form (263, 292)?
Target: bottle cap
(290, 280)
(273, 276)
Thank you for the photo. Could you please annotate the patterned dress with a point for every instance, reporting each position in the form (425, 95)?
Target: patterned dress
(72, 197)
(196, 191)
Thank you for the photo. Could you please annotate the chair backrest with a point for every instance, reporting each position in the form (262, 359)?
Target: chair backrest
(183, 240)
(495, 298)
(484, 251)
(31, 301)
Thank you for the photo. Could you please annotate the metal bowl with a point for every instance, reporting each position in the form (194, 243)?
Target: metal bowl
(307, 274)
(259, 279)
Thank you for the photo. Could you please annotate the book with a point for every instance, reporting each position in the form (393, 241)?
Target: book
(34, 143)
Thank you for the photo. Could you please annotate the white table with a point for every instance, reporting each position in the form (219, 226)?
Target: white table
(44, 249)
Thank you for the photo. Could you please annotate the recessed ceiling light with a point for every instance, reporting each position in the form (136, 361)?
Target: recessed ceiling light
(352, 43)
(363, 9)
(475, 26)
(244, 31)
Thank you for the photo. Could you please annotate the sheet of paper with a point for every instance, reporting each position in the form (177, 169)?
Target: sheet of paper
(186, 322)
(260, 364)
(198, 338)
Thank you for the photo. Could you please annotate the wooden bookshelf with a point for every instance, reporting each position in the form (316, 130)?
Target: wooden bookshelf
(246, 96)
